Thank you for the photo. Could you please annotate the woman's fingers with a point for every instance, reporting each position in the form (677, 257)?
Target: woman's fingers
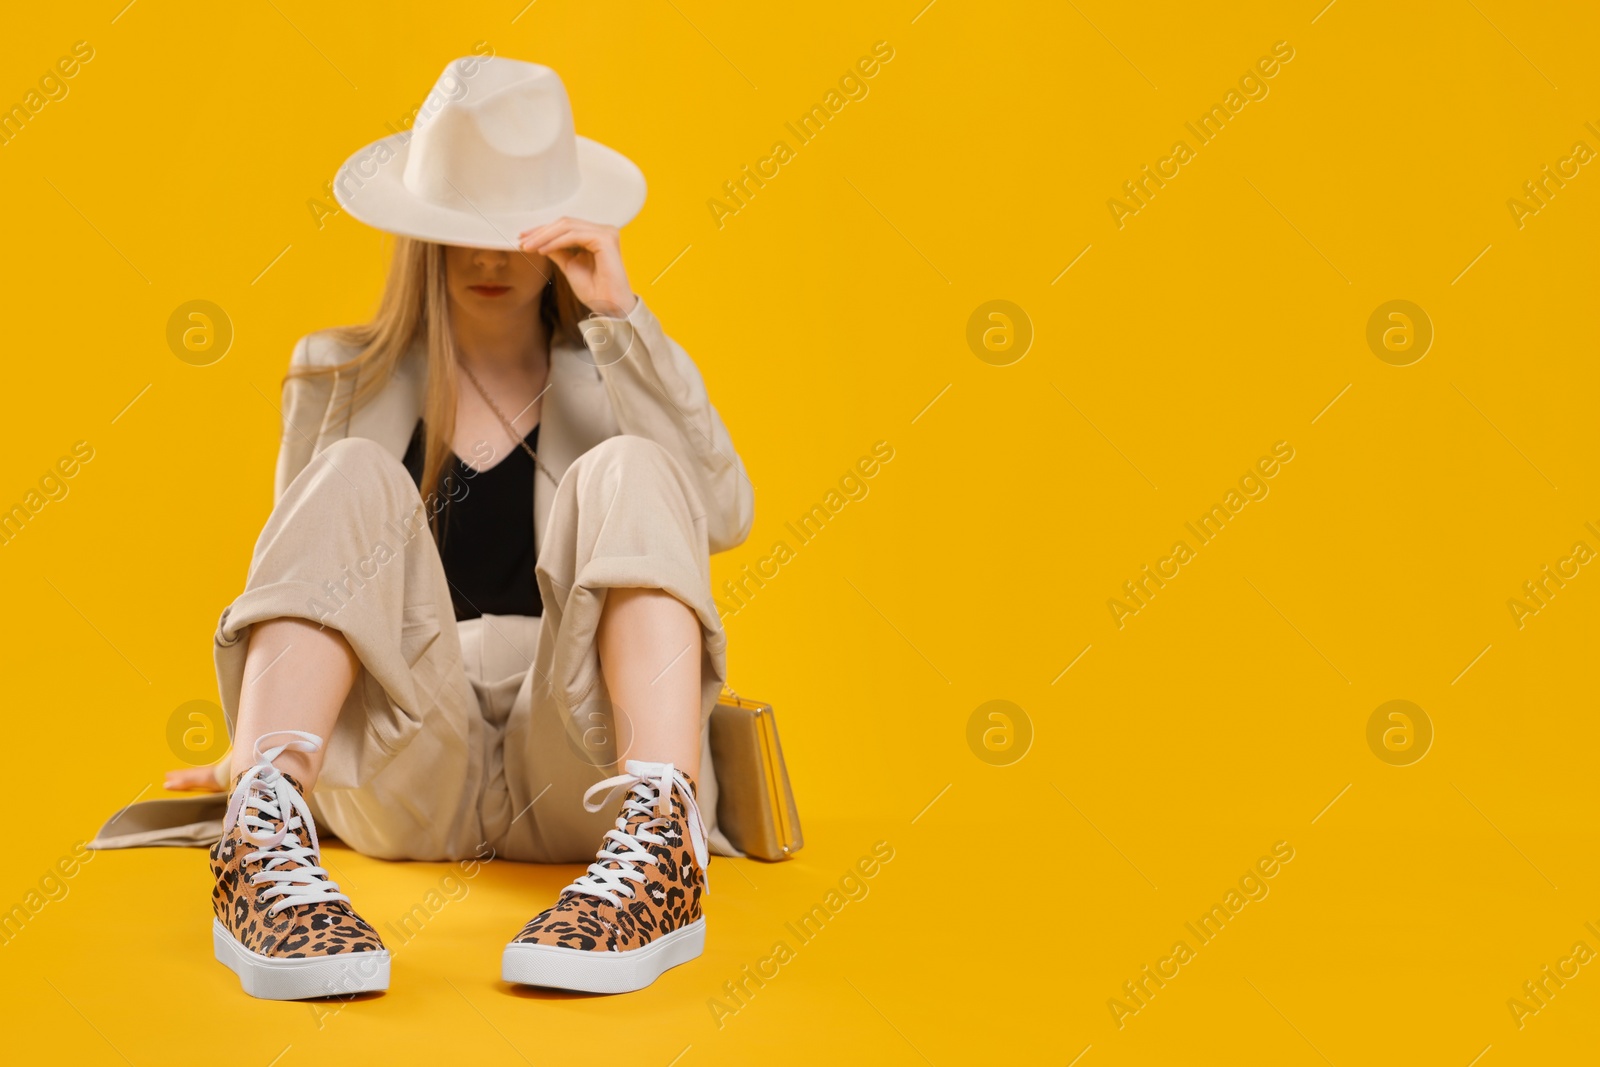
(190, 779)
(568, 233)
(566, 222)
(592, 243)
(590, 255)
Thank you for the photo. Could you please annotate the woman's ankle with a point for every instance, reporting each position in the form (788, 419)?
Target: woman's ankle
(301, 766)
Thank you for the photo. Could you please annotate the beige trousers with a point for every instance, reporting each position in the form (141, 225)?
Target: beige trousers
(459, 738)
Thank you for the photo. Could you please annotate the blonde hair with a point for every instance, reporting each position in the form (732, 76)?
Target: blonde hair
(416, 302)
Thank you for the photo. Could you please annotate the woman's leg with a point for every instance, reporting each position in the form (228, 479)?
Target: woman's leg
(650, 648)
(296, 677)
(630, 660)
(342, 642)
(345, 631)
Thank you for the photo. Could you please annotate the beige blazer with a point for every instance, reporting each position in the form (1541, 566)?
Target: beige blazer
(627, 377)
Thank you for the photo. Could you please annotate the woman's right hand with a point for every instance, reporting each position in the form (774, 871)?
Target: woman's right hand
(207, 779)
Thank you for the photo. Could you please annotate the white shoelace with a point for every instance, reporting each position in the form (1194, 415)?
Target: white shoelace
(263, 791)
(622, 857)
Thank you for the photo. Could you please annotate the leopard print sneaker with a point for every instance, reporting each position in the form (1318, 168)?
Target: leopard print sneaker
(281, 924)
(636, 911)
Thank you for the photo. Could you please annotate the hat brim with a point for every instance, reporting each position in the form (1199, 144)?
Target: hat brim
(611, 190)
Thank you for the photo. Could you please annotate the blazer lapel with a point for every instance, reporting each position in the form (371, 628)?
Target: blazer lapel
(392, 415)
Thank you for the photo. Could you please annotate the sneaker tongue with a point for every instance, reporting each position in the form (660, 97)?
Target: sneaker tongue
(286, 863)
(643, 768)
(677, 813)
(636, 819)
(291, 779)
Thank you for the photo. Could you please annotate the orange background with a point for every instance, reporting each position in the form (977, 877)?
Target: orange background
(830, 313)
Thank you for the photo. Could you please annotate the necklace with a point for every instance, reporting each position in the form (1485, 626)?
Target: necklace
(510, 430)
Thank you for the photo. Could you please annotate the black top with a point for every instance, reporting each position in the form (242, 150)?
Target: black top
(486, 531)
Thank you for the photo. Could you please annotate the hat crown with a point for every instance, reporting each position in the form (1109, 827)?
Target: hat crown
(495, 135)
(492, 152)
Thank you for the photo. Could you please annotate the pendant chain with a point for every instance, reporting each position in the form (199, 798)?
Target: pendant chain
(510, 429)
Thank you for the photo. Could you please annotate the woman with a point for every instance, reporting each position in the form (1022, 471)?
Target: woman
(484, 585)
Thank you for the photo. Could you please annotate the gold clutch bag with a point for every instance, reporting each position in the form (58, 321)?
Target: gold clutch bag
(755, 804)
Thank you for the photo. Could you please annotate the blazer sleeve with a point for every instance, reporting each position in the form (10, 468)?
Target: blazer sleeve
(657, 393)
(305, 404)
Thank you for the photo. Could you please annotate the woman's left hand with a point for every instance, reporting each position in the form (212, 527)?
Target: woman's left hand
(590, 255)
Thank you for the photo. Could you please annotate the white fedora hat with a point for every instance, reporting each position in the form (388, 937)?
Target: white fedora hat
(491, 153)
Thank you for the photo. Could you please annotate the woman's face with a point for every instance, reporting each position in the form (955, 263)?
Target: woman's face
(493, 284)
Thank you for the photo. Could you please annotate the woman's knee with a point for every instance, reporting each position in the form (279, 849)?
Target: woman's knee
(626, 451)
(640, 468)
(361, 453)
(356, 464)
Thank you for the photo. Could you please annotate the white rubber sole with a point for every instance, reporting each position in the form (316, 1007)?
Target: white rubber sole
(272, 978)
(602, 972)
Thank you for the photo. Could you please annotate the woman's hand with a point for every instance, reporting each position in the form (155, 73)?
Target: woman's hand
(207, 779)
(590, 255)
